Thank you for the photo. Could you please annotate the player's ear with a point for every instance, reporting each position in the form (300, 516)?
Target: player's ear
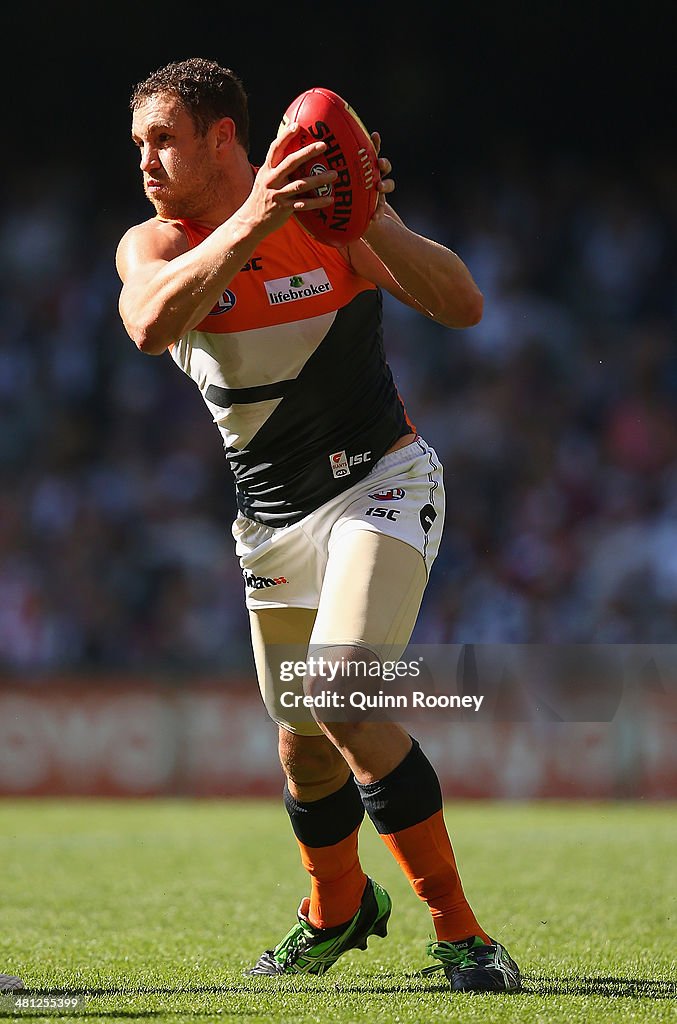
(224, 132)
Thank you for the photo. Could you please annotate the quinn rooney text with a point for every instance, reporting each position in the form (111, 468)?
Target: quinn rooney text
(365, 701)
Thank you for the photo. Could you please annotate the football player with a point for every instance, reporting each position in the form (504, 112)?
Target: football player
(283, 336)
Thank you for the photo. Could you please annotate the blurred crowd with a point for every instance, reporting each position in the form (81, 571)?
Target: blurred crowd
(555, 418)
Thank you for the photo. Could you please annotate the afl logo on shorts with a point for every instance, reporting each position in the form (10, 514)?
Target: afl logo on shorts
(224, 303)
(392, 494)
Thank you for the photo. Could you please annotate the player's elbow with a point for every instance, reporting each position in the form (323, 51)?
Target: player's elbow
(145, 331)
(466, 310)
(474, 308)
(150, 343)
(147, 338)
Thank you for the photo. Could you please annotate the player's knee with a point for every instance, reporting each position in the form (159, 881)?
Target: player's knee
(341, 671)
(348, 737)
(311, 760)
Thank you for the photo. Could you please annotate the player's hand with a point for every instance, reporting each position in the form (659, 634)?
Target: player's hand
(279, 190)
(384, 186)
(387, 184)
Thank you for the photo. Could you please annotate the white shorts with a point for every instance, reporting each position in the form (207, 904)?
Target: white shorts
(402, 497)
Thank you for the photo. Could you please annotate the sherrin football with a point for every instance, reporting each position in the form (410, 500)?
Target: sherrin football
(323, 116)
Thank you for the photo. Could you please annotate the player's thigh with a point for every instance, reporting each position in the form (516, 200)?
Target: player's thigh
(277, 635)
(371, 593)
(280, 638)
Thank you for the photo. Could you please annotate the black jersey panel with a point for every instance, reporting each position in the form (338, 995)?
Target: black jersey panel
(225, 397)
(344, 400)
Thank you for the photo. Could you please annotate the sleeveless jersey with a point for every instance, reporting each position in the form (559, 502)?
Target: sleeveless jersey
(290, 363)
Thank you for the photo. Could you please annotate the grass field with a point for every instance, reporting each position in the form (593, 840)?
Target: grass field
(153, 909)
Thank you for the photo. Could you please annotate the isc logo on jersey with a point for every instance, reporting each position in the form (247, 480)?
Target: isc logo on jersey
(225, 302)
(307, 285)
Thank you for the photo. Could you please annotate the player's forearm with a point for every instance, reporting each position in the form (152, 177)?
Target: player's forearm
(162, 308)
(434, 276)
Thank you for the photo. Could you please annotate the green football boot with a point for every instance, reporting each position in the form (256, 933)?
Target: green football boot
(10, 983)
(309, 950)
(473, 966)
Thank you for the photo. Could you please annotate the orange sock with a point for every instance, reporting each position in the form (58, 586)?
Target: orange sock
(337, 881)
(326, 831)
(406, 809)
(426, 857)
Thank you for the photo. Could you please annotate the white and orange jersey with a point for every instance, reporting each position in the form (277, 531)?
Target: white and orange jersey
(290, 363)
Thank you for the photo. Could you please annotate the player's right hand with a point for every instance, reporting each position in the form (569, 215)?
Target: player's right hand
(279, 189)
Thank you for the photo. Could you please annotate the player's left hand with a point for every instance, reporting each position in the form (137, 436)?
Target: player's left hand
(386, 185)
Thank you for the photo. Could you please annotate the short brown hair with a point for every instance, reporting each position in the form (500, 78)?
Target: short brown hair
(207, 91)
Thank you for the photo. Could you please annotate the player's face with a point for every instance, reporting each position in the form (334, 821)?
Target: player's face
(178, 172)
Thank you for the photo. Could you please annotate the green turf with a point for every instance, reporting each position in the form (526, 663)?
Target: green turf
(155, 908)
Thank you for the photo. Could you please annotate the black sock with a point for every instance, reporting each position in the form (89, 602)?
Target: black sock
(328, 820)
(407, 795)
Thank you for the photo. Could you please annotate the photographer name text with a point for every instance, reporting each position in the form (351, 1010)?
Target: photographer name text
(367, 701)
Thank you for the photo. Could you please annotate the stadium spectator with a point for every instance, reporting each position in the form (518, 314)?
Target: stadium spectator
(555, 418)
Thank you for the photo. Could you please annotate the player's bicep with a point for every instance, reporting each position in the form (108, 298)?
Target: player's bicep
(134, 303)
(138, 277)
(141, 262)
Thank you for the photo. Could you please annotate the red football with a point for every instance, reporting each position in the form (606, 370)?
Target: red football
(323, 116)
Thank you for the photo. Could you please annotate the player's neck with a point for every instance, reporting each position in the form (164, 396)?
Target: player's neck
(219, 199)
(237, 186)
